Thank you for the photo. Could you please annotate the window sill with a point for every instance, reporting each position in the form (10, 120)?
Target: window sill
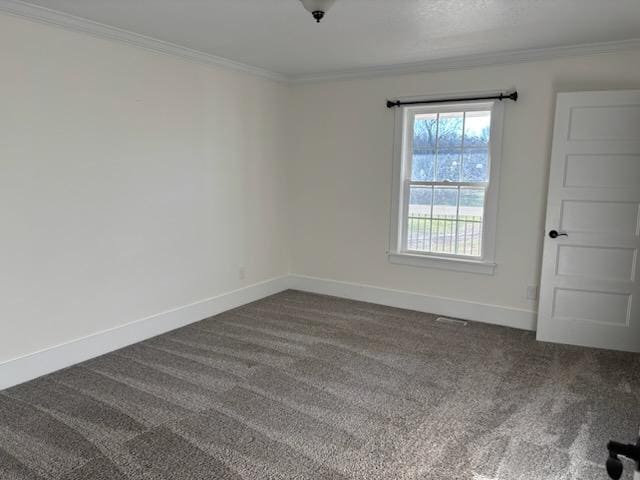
(443, 263)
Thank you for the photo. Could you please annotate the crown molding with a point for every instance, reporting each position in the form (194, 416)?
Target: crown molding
(96, 29)
(71, 22)
(472, 61)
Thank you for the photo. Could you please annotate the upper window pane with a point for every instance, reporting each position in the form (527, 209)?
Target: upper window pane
(425, 131)
(450, 131)
(449, 165)
(477, 126)
(475, 166)
(423, 167)
(451, 147)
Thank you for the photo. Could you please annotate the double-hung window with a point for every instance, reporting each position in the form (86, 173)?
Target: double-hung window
(446, 170)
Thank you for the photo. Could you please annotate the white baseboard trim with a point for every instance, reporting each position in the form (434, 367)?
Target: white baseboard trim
(449, 307)
(36, 364)
(33, 365)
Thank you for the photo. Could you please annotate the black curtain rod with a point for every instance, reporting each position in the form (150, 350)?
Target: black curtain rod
(502, 96)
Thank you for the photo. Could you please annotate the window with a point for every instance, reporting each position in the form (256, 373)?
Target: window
(445, 192)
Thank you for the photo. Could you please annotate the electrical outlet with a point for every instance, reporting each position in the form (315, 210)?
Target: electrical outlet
(242, 273)
(532, 292)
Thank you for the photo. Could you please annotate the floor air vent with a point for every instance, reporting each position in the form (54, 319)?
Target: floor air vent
(451, 321)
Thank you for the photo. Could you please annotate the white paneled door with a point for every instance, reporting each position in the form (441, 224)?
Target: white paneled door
(589, 292)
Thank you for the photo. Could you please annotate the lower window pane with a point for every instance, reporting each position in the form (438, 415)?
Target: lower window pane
(419, 221)
(445, 206)
(446, 220)
(470, 221)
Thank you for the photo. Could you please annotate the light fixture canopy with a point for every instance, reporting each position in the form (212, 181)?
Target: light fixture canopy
(317, 8)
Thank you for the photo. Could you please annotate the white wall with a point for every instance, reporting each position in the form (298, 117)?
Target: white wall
(340, 174)
(131, 183)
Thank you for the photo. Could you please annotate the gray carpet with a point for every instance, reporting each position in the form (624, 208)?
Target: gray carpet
(311, 387)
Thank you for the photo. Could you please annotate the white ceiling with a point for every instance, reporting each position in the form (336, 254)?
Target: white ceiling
(282, 37)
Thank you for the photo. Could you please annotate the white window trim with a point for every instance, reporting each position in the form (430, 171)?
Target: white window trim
(397, 255)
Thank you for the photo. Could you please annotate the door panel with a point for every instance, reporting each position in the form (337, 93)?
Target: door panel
(610, 171)
(599, 216)
(615, 122)
(597, 262)
(589, 290)
(592, 306)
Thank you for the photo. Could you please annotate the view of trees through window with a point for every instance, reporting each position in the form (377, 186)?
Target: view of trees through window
(449, 175)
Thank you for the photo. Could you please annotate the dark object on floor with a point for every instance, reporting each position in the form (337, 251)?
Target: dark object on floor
(311, 387)
(614, 464)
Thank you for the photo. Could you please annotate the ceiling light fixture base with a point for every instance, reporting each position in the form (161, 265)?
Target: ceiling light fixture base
(317, 8)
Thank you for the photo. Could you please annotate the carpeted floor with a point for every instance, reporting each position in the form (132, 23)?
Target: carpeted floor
(311, 387)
